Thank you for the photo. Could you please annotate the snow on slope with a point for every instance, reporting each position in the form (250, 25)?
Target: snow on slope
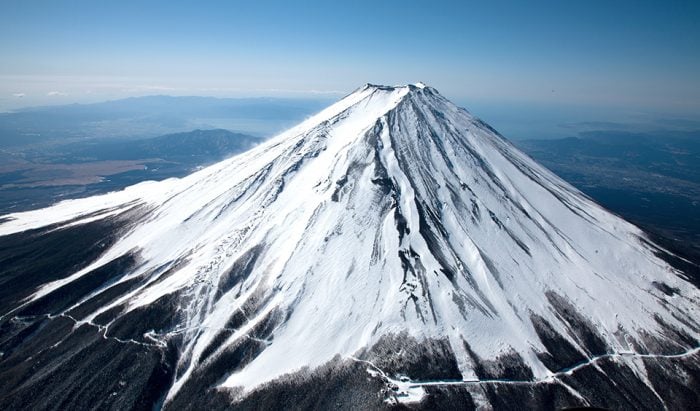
(392, 211)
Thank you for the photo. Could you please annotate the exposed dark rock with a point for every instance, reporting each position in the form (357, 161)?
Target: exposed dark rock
(582, 328)
(508, 366)
(665, 288)
(239, 271)
(560, 353)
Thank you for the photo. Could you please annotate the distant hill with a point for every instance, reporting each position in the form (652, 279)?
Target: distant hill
(151, 116)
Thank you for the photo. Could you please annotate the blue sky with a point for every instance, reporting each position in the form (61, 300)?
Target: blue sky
(628, 55)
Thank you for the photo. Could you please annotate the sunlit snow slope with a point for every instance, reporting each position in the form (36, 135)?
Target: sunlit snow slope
(391, 216)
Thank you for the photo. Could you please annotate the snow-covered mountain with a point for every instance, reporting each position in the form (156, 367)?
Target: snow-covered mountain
(391, 250)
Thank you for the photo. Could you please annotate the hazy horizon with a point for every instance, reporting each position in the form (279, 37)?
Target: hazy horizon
(515, 120)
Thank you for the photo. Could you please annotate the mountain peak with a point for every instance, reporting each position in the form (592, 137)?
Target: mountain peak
(412, 86)
(392, 236)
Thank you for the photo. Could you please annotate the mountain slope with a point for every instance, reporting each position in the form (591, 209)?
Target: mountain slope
(392, 247)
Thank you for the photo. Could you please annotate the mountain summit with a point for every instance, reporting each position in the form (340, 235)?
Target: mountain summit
(391, 250)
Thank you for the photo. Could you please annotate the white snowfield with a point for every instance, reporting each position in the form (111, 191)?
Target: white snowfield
(391, 211)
